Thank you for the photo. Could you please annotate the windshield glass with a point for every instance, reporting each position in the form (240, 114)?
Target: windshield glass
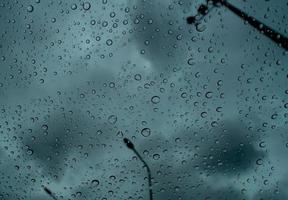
(143, 99)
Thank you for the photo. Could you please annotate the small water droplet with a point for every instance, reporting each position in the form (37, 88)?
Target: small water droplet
(30, 152)
(259, 161)
(156, 156)
(146, 132)
(86, 6)
(191, 61)
(109, 42)
(74, 6)
(112, 119)
(30, 8)
(155, 99)
(137, 77)
(95, 183)
(200, 27)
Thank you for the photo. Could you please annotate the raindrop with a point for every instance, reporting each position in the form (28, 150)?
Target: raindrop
(146, 132)
(92, 22)
(45, 127)
(274, 116)
(259, 161)
(190, 61)
(208, 95)
(120, 134)
(95, 183)
(112, 119)
(109, 42)
(155, 99)
(262, 144)
(204, 114)
(112, 85)
(86, 6)
(30, 152)
(200, 27)
(137, 77)
(156, 156)
(82, 96)
(73, 6)
(30, 8)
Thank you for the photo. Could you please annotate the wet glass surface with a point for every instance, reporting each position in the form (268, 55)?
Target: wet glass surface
(100, 99)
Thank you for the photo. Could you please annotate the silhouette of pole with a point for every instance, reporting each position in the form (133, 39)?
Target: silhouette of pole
(275, 36)
(130, 145)
(50, 193)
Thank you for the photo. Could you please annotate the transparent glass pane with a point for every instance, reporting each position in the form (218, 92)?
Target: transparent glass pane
(143, 99)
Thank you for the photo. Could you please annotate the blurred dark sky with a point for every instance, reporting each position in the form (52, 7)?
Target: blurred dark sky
(205, 106)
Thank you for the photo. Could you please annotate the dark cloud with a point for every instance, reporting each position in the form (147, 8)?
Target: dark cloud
(228, 149)
(232, 150)
(50, 143)
(53, 141)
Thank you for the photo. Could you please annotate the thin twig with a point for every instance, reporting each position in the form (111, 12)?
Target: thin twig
(130, 145)
(50, 193)
(272, 34)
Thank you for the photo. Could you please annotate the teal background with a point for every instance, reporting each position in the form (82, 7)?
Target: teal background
(206, 107)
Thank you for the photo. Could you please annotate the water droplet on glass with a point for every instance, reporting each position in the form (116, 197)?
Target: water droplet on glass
(112, 119)
(200, 27)
(109, 42)
(156, 156)
(262, 144)
(95, 183)
(155, 99)
(92, 22)
(259, 161)
(208, 95)
(86, 6)
(190, 61)
(30, 8)
(146, 132)
(137, 77)
(45, 127)
(74, 6)
(30, 152)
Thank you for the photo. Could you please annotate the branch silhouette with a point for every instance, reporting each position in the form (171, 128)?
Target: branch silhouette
(130, 145)
(272, 34)
(50, 193)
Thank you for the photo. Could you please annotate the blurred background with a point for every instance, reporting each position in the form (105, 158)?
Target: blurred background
(206, 106)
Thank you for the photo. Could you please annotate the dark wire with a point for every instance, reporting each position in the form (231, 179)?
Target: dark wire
(130, 145)
(266, 30)
(50, 193)
(275, 36)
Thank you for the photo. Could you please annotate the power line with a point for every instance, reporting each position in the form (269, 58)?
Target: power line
(50, 193)
(275, 36)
